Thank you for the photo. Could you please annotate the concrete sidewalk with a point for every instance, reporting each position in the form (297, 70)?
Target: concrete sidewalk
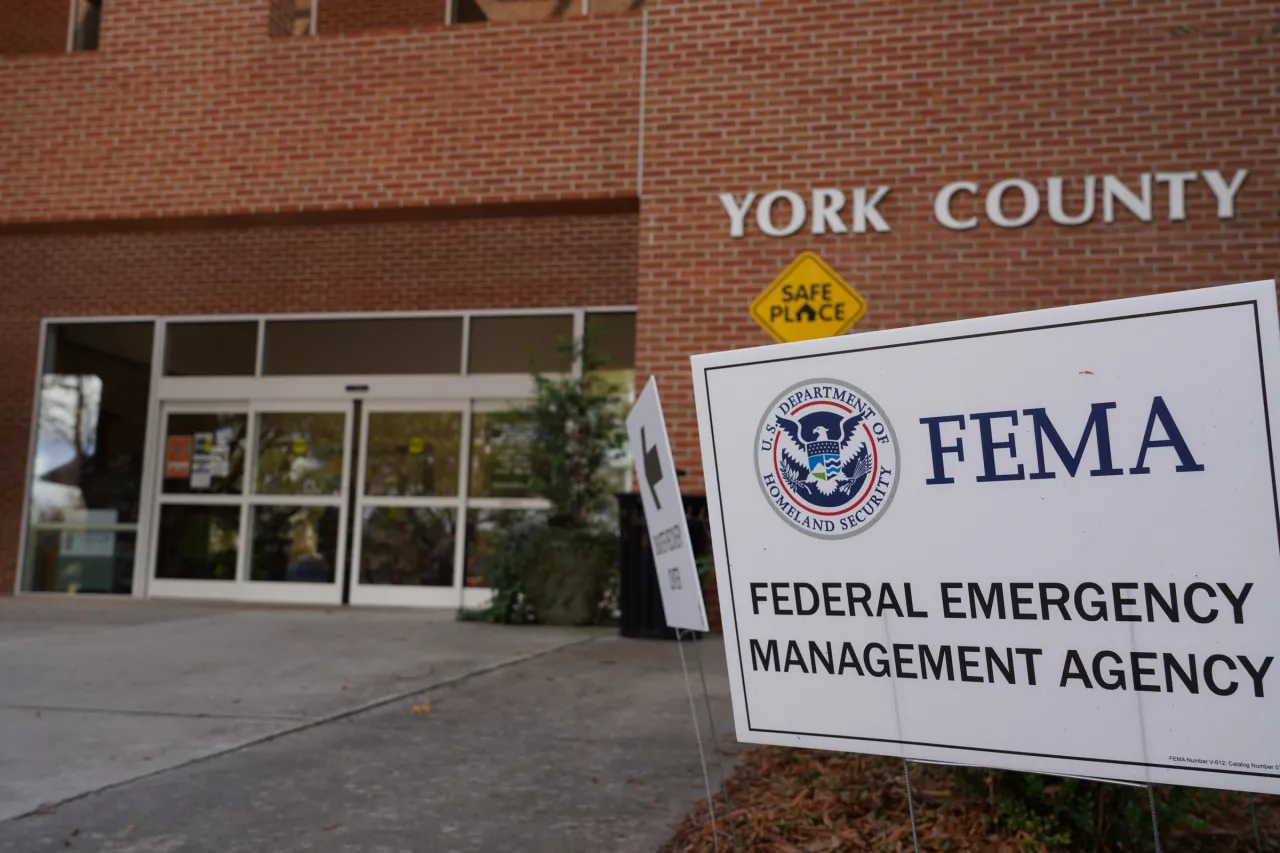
(232, 729)
(95, 692)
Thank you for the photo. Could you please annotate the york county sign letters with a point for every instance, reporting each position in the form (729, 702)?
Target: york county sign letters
(1046, 541)
(664, 513)
(809, 300)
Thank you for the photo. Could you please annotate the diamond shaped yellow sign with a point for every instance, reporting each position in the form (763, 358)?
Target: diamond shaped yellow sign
(808, 301)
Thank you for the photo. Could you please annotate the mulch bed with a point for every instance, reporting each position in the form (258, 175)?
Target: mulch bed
(806, 801)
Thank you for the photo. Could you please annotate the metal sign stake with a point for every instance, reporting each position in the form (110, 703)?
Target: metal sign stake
(715, 745)
(911, 805)
(667, 523)
(1253, 813)
(697, 733)
(1155, 823)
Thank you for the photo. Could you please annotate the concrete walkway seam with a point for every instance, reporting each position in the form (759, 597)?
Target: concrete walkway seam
(181, 715)
(319, 721)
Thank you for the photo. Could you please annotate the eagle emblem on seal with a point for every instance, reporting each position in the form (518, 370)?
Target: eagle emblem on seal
(824, 456)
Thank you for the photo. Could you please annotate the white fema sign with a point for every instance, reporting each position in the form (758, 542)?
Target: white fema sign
(1046, 541)
(664, 513)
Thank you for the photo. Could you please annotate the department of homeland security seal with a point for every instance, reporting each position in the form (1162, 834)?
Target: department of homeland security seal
(827, 458)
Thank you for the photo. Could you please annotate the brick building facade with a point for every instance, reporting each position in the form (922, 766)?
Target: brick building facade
(397, 161)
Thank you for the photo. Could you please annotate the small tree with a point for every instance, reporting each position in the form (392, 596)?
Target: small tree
(558, 569)
(578, 430)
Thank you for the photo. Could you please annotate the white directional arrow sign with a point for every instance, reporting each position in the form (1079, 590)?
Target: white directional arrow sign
(664, 513)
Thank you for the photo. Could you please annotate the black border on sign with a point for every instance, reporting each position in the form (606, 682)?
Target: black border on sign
(1262, 376)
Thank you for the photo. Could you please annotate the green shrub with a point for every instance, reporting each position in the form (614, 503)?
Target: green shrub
(552, 574)
(561, 567)
(1053, 813)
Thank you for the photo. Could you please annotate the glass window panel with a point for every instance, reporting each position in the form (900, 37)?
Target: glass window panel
(92, 420)
(617, 475)
(614, 7)
(87, 23)
(412, 454)
(621, 384)
(211, 349)
(476, 11)
(354, 16)
(363, 347)
(300, 453)
(90, 435)
(290, 18)
(612, 338)
(81, 560)
(198, 542)
(296, 544)
(617, 383)
(303, 21)
(520, 344)
(67, 451)
(204, 453)
(405, 546)
(483, 528)
(500, 448)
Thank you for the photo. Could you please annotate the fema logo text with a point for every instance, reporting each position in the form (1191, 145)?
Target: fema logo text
(827, 458)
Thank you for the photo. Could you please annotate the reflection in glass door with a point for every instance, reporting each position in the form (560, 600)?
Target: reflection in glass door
(251, 502)
(498, 493)
(408, 507)
(199, 513)
(297, 521)
(255, 500)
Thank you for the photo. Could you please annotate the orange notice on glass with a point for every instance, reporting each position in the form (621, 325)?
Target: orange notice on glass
(177, 456)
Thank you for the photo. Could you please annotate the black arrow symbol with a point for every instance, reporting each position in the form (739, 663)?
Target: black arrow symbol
(652, 468)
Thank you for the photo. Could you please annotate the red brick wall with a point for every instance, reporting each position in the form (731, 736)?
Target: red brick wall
(189, 107)
(757, 96)
(195, 110)
(551, 261)
(33, 26)
(353, 16)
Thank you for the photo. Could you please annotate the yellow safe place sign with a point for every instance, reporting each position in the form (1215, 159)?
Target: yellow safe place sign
(808, 301)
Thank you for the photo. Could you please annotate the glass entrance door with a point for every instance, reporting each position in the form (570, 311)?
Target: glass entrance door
(260, 501)
(409, 505)
(297, 510)
(252, 501)
(199, 514)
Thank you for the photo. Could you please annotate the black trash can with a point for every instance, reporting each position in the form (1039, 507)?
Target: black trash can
(640, 598)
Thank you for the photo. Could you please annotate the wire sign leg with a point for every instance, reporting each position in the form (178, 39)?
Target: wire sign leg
(1253, 813)
(697, 733)
(715, 745)
(911, 805)
(1155, 823)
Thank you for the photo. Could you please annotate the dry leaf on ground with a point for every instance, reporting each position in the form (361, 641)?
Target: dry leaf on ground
(811, 801)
